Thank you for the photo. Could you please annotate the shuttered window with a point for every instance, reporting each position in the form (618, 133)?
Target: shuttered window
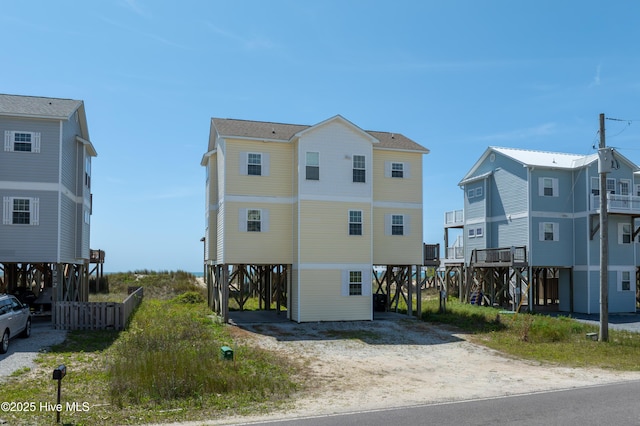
(20, 211)
(18, 141)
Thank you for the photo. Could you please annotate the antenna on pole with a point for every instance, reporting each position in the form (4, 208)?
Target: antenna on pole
(605, 162)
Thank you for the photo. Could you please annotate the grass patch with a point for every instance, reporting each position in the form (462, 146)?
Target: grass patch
(557, 340)
(164, 368)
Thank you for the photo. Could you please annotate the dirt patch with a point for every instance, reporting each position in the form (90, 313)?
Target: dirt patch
(381, 364)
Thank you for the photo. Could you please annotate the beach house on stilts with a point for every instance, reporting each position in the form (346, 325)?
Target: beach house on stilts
(301, 215)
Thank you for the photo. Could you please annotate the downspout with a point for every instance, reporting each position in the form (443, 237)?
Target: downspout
(60, 186)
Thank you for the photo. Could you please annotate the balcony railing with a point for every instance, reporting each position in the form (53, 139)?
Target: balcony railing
(431, 254)
(455, 253)
(618, 203)
(499, 256)
(454, 218)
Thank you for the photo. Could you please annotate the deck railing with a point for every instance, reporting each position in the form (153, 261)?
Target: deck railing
(431, 254)
(618, 203)
(455, 252)
(499, 256)
(455, 217)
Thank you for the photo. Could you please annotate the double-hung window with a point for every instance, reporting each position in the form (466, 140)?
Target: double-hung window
(254, 222)
(19, 141)
(355, 283)
(254, 164)
(624, 233)
(549, 231)
(625, 281)
(611, 186)
(548, 187)
(20, 211)
(397, 224)
(359, 168)
(397, 170)
(313, 166)
(355, 222)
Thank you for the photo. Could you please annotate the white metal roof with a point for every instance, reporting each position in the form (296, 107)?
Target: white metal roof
(547, 159)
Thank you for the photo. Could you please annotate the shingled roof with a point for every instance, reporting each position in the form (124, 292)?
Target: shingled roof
(33, 106)
(263, 130)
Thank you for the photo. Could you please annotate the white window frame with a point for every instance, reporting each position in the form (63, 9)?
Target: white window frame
(625, 277)
(350, 276)
(388, 224)
(611, 185)
(471, 193)
(397, 224)
(360, 169)
(595, 185)
(353, 222)
(8, 210)
(479, 232)
(625, 186)
(479, 192)
(254, 156)
(471, 233)
(397, 170)
(309, 167)
(625, 230)
(355, 283)
(10, 141)
(544, 232)
(553, 187)
(243, 220)
(87, 172)
(264, 163)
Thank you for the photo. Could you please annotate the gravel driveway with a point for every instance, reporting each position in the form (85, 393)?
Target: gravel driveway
(22, 352)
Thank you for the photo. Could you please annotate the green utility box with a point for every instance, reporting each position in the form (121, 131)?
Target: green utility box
(226, 353)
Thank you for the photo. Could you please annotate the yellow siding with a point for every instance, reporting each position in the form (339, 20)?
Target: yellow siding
(278, 183)
(211, 233)
(397, 249)
(321, 298)
(407, 190)
(324, 233)
(273, 246)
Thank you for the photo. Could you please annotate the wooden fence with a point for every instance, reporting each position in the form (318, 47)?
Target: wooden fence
(96, 315)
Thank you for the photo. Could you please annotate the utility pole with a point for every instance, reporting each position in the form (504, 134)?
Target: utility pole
(604, 166)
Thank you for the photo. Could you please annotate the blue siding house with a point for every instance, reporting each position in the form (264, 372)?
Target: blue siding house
(548, 204)
(45, 191)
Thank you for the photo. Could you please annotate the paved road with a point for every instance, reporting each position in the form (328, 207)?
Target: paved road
(629, 322)
(615, 404)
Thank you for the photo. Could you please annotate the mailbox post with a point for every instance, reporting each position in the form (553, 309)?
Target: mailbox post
(58, 373)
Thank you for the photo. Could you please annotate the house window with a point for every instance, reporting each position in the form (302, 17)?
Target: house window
(87, 172)
(359, 170)
(254, 223)
(479, 192)
(625, 281)
(20, 211)
(355, 283)
(547, 187)
(595, 186)
(254, 164)
(472, 233)
(624, 186)
(355, 222)
(624, 233)
(471, 193)
(549, 231)
(611, 186)
(397, 170)
(313, 165)
(397, 224)
(21, 141)
(637, 190)
(479, 232)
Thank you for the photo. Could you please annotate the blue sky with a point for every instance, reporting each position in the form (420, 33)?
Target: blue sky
(455, 76)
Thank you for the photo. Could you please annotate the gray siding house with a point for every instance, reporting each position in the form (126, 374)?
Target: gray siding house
(547, 205)
(45, 190)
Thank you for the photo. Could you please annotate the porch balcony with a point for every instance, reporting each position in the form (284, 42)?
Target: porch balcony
(454, 219)
(621, 204)
(504, 256)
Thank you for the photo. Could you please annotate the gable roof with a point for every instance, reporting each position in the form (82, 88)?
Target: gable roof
(280, 132)
(546, 159)
(38, 107)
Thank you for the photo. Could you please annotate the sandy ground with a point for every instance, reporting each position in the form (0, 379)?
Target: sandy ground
(355, 366)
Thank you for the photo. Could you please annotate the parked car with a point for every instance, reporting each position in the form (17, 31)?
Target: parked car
(15, 320)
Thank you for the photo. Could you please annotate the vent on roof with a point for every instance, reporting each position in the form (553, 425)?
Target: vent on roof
(273, 130)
